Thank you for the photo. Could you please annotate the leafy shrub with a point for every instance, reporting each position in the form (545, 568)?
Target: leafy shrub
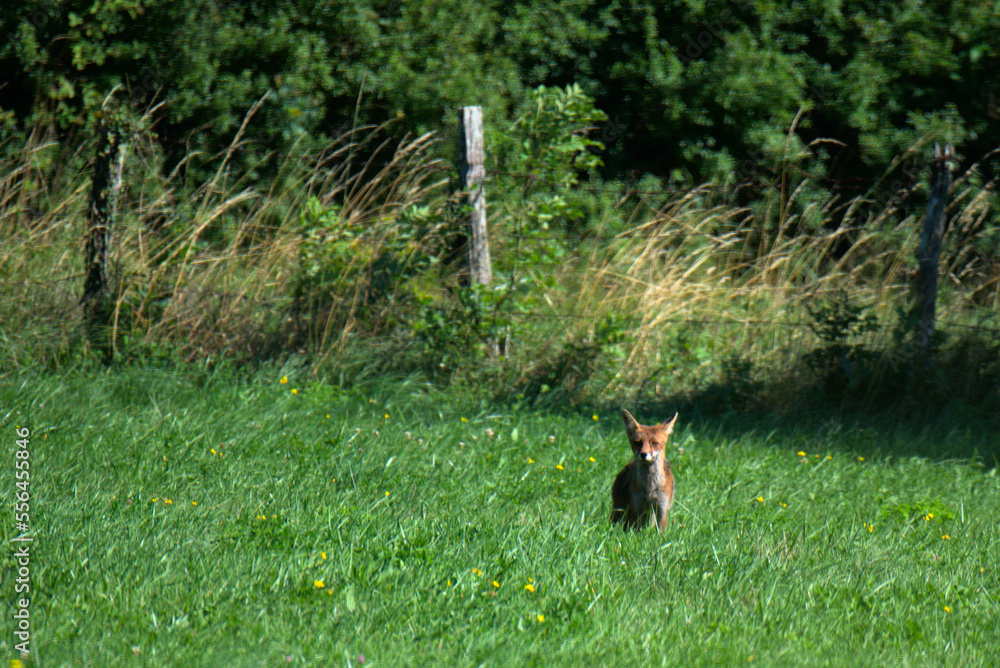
(350, 267)
(542, 156)
(838, 323)
(455, 332)
(565, 370)
(740, 387)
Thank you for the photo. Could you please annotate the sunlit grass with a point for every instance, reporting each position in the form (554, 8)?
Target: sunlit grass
(196, 520)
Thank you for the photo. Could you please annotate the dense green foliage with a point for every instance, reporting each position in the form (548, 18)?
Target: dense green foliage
(692, 91)
(203, 520)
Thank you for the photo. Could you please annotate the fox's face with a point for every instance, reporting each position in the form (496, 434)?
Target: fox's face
(647, 442)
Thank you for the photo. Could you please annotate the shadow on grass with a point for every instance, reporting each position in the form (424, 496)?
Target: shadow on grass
(877, 405)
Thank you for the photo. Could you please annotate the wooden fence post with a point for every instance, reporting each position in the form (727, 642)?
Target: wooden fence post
(473, 175)
(929, 251)
(105, 185)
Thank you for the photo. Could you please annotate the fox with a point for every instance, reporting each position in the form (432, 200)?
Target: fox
(644, 489)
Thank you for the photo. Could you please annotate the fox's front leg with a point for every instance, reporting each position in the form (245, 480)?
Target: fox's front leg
(661, 506)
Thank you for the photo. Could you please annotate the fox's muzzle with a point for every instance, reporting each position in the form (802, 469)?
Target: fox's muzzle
(647, 457)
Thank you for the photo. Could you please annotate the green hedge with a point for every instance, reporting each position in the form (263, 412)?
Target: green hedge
(692, 90)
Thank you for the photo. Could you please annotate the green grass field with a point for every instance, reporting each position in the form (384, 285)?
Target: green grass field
(198, 520)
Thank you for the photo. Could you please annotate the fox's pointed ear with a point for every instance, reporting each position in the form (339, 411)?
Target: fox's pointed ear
(668, 425)
(631, 426)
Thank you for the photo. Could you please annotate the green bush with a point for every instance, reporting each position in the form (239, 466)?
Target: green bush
(350, 268)
(839, 323)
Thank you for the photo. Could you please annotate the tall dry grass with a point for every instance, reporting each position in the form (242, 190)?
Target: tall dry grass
(701, 286)
(198, 271)
(215, 269)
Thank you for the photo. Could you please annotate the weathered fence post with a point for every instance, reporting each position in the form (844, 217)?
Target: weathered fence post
(473, 175)
(106, 183)
(929, 251)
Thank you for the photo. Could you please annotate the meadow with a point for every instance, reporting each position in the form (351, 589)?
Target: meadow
(301, 439)
(288, 429)
(204, 518)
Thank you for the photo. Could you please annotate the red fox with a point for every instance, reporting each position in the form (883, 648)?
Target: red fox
(646, 484)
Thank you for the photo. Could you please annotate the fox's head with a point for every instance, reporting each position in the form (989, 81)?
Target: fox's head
(647, 442)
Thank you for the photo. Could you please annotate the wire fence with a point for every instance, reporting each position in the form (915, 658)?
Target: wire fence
(759, 183)
(725, 230)
(989, 327)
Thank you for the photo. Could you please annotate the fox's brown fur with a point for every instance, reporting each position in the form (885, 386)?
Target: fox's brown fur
(646, 485)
